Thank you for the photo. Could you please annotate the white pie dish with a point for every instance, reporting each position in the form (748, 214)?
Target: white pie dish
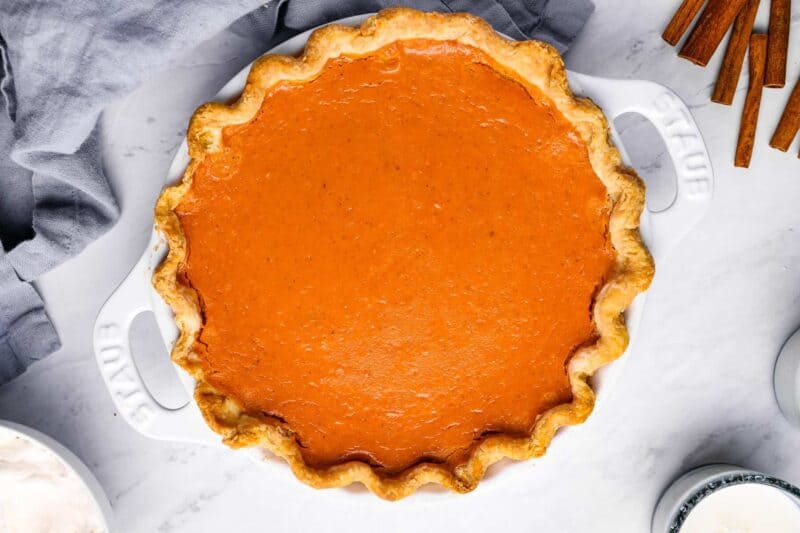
(135, 295)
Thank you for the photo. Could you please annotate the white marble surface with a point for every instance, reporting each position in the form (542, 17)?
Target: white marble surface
(696, 387)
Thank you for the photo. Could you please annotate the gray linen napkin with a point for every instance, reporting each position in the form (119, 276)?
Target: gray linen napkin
(63, 62)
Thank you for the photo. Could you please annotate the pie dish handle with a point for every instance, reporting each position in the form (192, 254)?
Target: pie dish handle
(112, 348)
(674, 122)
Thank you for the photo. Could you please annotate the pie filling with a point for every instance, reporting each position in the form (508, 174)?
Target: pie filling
(397, 257)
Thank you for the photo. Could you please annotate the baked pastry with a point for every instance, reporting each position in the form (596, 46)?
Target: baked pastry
(399, 257)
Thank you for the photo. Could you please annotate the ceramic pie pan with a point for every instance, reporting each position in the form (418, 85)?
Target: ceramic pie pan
(661, 232)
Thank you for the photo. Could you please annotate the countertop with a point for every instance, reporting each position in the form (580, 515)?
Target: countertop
(696, 386)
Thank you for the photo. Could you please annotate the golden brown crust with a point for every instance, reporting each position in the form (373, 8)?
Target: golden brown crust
(534, 62)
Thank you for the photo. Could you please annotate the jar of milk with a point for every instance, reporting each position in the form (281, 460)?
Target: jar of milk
(723, 498)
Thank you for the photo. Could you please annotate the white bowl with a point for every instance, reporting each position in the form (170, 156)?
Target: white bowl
(92, 486)
(687, 491)
(787, 379)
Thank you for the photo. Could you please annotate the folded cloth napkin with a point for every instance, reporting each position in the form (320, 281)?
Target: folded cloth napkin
(63, 62)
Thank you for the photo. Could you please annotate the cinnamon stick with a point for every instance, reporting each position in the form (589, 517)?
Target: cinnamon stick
(747, 129)
(780, 11)
(714, 22)
(728, 77)
(681, 20)
(789, 123)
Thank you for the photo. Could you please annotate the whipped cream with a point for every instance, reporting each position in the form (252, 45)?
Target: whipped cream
(39, 493)
(747, 508)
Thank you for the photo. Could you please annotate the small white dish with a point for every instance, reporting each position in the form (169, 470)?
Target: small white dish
(686, 493)
(787, 379)
(74, 464)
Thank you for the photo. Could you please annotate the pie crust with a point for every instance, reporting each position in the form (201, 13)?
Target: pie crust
(537, 63)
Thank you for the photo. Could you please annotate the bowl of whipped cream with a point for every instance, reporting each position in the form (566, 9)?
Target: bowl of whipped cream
(45, 488)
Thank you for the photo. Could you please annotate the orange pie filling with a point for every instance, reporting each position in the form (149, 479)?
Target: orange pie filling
(397, 257)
